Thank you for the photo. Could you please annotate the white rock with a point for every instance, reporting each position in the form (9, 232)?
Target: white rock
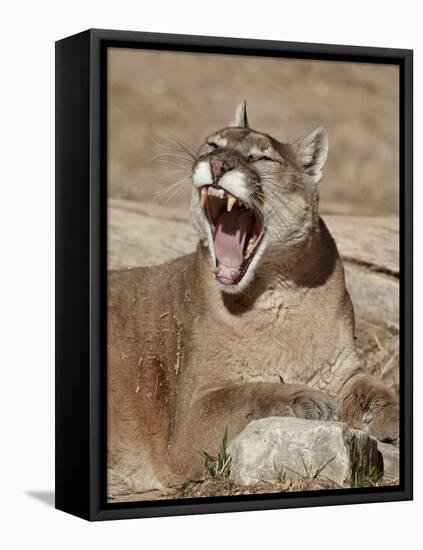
(294, 447)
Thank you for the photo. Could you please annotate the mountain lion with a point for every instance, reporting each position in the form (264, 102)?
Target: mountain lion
(257, 322)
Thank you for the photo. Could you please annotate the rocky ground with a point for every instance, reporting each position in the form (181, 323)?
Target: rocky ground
(223, 486)
(279, 455)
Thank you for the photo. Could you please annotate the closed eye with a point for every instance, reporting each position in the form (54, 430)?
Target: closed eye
(256, 158)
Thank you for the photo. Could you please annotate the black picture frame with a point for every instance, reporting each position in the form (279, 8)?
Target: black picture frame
(81, 270)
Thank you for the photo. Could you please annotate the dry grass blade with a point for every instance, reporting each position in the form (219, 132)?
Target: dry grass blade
(217, 466)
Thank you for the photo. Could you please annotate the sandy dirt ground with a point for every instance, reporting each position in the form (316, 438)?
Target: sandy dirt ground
(222, 486)
(155, 96)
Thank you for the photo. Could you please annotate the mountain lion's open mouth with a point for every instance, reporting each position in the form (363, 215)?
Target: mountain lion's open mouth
(237, 229)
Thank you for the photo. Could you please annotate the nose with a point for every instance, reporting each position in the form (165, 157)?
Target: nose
(218, 168)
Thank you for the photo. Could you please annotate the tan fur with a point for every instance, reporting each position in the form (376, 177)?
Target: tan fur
(188, 358)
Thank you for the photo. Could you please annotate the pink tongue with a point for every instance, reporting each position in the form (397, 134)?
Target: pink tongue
(229, 240)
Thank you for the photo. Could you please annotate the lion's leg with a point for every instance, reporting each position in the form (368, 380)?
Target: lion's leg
(366, 403)
(232, 408)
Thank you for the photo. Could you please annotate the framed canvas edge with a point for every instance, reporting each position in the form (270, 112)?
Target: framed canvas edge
(99, 41)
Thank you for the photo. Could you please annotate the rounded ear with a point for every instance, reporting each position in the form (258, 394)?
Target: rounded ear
(311, 152)
(240, 120)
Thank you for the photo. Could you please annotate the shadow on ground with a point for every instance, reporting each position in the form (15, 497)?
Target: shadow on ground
(46, 497)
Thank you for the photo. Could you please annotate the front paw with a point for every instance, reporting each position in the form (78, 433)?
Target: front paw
(314, 405)
(294, 400)
(383, 422)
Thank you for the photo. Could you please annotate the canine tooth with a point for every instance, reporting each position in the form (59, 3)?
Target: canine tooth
(251, 244)
(221, 193)
(204, 196)
(216, 270)
(231, 202)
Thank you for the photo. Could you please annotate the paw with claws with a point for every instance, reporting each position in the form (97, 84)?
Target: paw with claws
(302, 402)
(382, 422)
(365, 403)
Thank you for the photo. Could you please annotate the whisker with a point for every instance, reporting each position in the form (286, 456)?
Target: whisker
(276, 193)
(175, 187)
(281, 173)
(177, 170)
(171, 163)
(181, 145)
(288, 207)
(176, 183)
(265, 201)
(187, 161)
(175, 192)
(169, 196)
(168, 178)
(289, 212)
(271, 181)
